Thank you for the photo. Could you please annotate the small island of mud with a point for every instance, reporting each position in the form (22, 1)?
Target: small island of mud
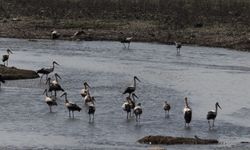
(12, 73)
(168, 140)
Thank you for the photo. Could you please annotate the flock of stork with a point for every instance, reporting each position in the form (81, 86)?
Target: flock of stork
(54, 86)
(130, 102)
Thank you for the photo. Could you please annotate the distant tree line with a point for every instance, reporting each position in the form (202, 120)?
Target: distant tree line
(178, 13)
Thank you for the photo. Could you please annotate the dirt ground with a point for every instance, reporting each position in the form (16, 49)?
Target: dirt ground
(145, 31)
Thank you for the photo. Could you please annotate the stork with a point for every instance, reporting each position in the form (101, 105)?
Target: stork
(89, 99)
(47, 71)
(91, 111)
(1, 80)
(70, 105)
(131, 89)
(133, 101)
(5, 58)
(51, 101)
(54, 87)
(56, 79)
(178, 48)
(77, 34)
(138, 112)
(187, 113)
(85, 90)
(55, 35)
(126, 107)
(126, 40)
(166, 107)
(211, 115)
(129, 104)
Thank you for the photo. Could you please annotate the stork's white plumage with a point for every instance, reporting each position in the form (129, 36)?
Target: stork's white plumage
(85, 90)
(5, 58)
(187, 111)
(138, 112)
(212, 114)
(50, 100)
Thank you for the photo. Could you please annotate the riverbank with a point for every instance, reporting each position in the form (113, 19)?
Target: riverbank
(226, 35)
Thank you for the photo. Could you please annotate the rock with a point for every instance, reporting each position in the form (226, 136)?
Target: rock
(244, 142)
(12, 73)
(168, 140)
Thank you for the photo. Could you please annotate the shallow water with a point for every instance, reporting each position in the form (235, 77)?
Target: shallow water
(204, 75)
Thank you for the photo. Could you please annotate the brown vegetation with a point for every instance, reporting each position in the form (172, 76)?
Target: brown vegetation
(221, 23)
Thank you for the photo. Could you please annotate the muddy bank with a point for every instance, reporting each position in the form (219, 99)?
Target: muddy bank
(226, 35)
(168, 140)
(12, 73)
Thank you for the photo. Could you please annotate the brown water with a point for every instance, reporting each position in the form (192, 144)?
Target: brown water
(204, 75)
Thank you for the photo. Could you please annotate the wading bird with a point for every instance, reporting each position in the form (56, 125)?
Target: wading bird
(131, 89)
(5, 58)
(89, 99)
(133, 101)
(70, 105)
(126, 40)
(211, 115)
(126, 106)
(77, 35)
(51, 101)
(178, 48)
(91, 111)
(47, 71)
(138, 112)
(187, 113)
(55, 35)
(54, 87)
(56, 81)
(85, 90)
(166, 107)
(1, 80)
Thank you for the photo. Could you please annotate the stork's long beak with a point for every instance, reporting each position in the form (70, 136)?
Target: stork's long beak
(58, 76)
(54, 62)
(219, 106)
(9, 51)
(135, 95)
(137, 79)
(63, 94)
(86, 84)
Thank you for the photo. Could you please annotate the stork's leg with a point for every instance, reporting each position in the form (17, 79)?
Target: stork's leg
(127, 114)
(93, 117)
(89, 118)
(41, 77)
(50, 109)
(124, 45)
(165, 114)
(73, 114)
(128, 45)
(139, 118)
(209, 124)
(55, 93)
(213, 123)
(69, 114)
